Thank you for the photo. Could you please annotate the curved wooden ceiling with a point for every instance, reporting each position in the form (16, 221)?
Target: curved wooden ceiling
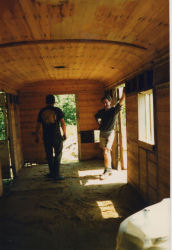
(106, 40)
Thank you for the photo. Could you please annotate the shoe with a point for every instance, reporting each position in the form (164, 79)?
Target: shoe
(59, 178)
(106, 173)
(48, 175)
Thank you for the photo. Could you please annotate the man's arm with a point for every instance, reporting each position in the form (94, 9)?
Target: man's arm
(63, 125)
(121, 100)
(98, 119)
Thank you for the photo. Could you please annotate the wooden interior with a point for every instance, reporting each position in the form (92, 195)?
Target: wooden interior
(149, 166)
(88, 95)
(85, 48)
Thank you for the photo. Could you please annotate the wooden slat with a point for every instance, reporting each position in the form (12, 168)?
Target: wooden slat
(152, 157)
(163, 139)
(153, 196)
(153, 175)
(15, 136)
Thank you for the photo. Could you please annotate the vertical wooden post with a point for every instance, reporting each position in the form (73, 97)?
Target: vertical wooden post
(78, 127)
(115, 143)
(120, 137)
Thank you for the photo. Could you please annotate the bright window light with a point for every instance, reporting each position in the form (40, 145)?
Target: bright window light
(145, 117)
(107, 209)
(96, 135)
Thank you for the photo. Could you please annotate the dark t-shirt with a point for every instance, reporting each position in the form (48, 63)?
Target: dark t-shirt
(108, 117)
(50, 117)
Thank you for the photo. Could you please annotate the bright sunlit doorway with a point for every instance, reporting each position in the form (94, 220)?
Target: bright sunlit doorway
(67, 103)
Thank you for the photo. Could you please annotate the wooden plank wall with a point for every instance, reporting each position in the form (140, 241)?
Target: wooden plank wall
(15, 134)
(88, 105)
(32, 99)
(132, 139)
(163, 130)
(149, 168)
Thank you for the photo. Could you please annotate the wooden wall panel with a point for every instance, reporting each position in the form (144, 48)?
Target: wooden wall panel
(152, 175)
(143, 173)
(163, 138)
(149, 167)
(32, 99)
(90, 151)
(15, 136)
(88, 105)
(152, 157)
(132, 146)
(153, 196)
(132, 173)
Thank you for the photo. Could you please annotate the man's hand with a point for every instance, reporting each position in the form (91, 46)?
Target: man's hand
(64, 137)
(63, 125)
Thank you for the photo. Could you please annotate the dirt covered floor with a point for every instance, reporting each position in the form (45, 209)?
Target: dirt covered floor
(79, 213)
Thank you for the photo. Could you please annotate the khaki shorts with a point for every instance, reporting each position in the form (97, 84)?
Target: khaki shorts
(106, 139)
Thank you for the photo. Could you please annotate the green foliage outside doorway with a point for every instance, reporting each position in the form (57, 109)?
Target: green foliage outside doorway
(70, 146)
(68, 105)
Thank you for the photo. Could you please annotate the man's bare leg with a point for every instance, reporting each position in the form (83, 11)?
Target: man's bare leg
(107, 163)
(107, 158)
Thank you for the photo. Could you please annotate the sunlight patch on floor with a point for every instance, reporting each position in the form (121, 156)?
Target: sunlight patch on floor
(118, 176)
(84, 173)
(107, 209)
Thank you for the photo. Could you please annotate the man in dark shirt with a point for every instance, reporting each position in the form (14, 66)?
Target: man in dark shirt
(106, 119)
(50, 117)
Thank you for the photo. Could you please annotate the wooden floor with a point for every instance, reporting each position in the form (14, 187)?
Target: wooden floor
(82, 212)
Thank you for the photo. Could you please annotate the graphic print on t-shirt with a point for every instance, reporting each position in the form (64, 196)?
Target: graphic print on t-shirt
(49, 117)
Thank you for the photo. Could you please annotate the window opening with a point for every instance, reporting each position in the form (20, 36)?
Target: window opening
(145, 117)
(96, 136)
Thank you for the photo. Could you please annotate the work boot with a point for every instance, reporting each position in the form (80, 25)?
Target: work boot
(49, 175)
(59, 178)
(107, 172)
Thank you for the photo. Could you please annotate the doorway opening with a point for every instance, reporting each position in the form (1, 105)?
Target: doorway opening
(67, 103)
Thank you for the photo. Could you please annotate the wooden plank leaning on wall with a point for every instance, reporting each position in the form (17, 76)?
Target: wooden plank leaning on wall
(15, 133)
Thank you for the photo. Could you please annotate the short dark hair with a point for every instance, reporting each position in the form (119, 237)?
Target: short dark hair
(50, 99)
(108, 97)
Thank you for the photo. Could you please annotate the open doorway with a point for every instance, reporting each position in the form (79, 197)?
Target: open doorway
(67, 102)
